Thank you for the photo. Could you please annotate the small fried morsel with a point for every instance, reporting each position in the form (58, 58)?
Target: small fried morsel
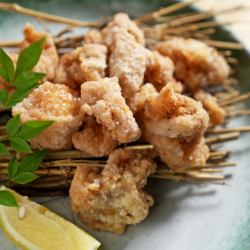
(180, 153)
(93, 36)
(175, 125)
(196, 64)
(160, 71)
(49, 58)
(137, 103)
(216, 113)
(53, 102)
(103, 100)
(128, 61)
(94, 139)
(175, 115)
(122, 20)
(113, 199)
(86, 63)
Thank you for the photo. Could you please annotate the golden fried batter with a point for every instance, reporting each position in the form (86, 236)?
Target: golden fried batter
(86, 63)
(94, 139)
(160, 71)
(137, 103)
(216, 113)
(175, 124)
(114, 198)
(122, 20)
(93, 36)
(128, 61)
(196, 64)
(178, 153)
(104, 101)
(175, 115)
(49, 57)
(54, 102)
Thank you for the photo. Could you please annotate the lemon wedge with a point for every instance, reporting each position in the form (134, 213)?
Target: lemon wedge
(34, 227)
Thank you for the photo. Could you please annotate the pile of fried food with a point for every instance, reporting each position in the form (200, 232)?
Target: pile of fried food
(114, 90)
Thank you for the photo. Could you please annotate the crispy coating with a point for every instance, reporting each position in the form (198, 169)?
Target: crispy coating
(160, 71)
(93, 36)
(113, 199)
(178, 154)
(54, 102)
(196, 64)
(49, 58)
(175, 115)
(137, 103)
(216, 113)
(94, 139)
(104, 101)
(175, 124)
(86, 63)
(128, 61)
(122, 20)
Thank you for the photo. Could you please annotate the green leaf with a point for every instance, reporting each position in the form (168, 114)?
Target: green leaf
(20, 145)
(25, 177)
(31, 163)
(3, 95)
(3, 150)
(6, 67)
(18, 95)
(12, 167)
(13, 126)
(33, 128)
(29, 57)
(27, 79)
(7, 199)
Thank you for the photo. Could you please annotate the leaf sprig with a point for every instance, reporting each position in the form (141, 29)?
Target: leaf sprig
(22, 172)
(23, 80)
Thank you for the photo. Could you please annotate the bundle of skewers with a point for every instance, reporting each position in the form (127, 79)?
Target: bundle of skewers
(58, 168)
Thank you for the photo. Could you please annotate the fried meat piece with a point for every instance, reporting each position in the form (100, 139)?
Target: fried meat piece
(178, 153)
(93, 36)
(122, 20)
(160, 71)
(94, 139)
(128, 61)
(53, 102)
(175, 125)
(114, 198)
(137, 103)
(196, 64)
(216, 113)
(104, 101)
(86, 63)
(49, 58)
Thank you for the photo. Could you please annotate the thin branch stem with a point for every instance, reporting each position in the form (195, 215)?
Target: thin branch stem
(223, 138)
(164, 11)
(13, 7)
(229, 130)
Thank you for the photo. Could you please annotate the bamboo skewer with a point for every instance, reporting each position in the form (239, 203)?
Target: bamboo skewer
(48, 17)
(235, 100)
(64, 31)
(223, 138)
(229, 130)
(164, 11)
(223, 44)
(195, 27)
(10, 44)
(238, 113)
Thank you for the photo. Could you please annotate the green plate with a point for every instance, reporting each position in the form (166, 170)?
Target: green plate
(185, 216)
